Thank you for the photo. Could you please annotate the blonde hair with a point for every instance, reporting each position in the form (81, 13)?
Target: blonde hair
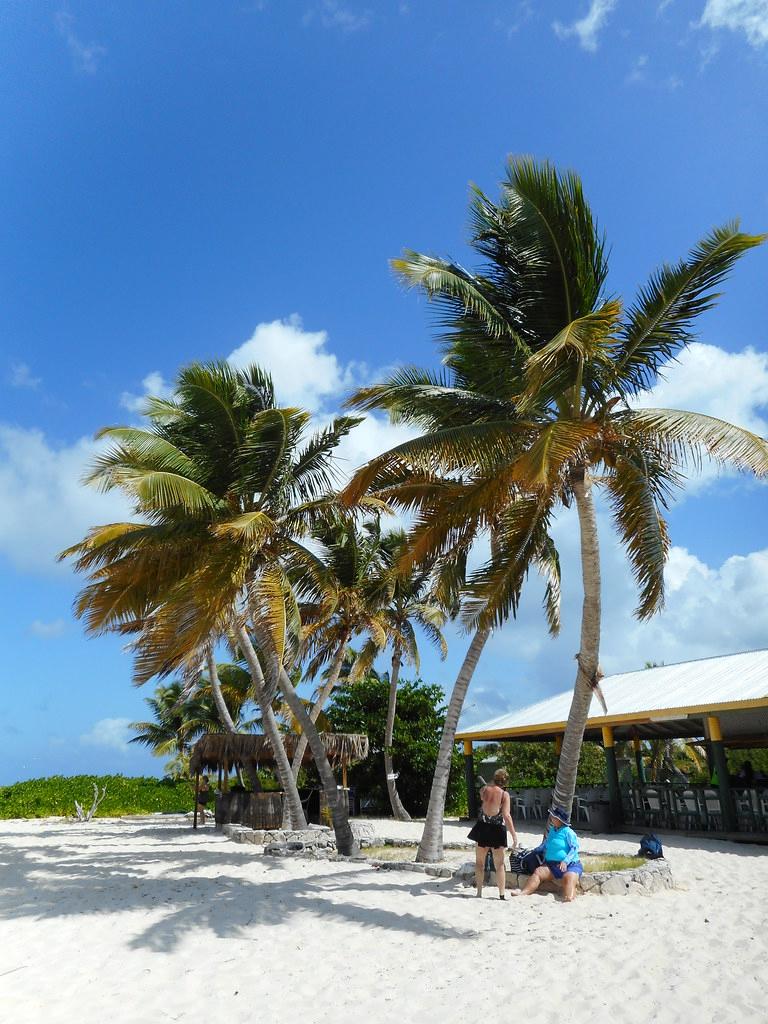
(500, 777)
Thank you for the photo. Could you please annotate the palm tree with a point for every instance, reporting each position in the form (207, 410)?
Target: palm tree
(541, 370)
(356, 588)
(452, 515)
(227, 485)
(412, 601)
(174, 725)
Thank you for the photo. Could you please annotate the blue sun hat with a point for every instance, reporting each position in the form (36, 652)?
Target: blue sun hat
(560, 814)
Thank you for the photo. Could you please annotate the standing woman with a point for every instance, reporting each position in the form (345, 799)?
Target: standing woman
(490, 831)
(203, 796)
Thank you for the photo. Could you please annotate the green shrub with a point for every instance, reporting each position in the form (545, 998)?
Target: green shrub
(40, 798)
(362, 708)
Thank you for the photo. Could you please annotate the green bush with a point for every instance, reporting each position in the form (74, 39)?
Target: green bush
(362, 708)
(39, 798)
(533, 765)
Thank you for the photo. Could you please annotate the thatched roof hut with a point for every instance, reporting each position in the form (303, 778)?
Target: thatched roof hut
(244, 750)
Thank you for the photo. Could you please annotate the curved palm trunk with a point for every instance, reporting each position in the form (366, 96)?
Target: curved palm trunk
(345, 840)
(322, 697)
(589, 652)
(218, 697)
(293, 812)
(398, 811)
(431, 845)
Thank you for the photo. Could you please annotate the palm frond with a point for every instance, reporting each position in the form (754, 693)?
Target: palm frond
(660, 322)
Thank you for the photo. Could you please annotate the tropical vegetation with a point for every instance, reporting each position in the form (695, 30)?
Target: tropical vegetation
(225, 485)
(537, 406)
(363, 708)
(56, 796)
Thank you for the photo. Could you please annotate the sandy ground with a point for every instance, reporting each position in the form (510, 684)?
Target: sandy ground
(126, 922)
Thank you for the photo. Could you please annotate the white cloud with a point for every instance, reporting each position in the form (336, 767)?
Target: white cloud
(747, 16)
(85, 56)
(588, 28)
(46, 507)
(46, 630)
(109, 732)
(332, 14)
(710, 609)
(732, 386)
(153, 384)
(21, 377)
(304, 372)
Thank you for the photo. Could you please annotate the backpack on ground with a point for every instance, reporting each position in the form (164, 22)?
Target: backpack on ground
(650, 847)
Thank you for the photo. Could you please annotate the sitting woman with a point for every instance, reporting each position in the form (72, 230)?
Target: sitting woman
(490, 832)
(561, 857)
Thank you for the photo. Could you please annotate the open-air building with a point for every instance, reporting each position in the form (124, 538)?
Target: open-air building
(720, 702)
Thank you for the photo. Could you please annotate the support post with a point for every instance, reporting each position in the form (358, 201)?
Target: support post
(639, 761)
(614, 793)
(558, 746)
(720, 763)
(197, 794)
(469, 778)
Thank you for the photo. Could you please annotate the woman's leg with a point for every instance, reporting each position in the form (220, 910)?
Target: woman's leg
(542, 874)
(570, 878)
(501, 875)
(480, 852)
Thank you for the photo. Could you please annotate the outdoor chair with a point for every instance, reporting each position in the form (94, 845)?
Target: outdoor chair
(654, 809)
(581, 810)
(745, 810)
(761, 801)
(519, 809)
(686, 808)
(713, 814)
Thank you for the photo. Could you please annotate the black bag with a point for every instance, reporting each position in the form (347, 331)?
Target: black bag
(650, 847)
(525, 862)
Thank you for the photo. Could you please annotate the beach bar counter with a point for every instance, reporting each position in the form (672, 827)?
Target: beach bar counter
(720, 702)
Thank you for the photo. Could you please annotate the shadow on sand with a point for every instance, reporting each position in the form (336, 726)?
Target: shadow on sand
(206, 883)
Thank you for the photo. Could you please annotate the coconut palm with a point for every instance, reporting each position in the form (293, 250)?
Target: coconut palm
(227, 485)
(355, 590)
(537, 397)
(412, 602)
(174, 725)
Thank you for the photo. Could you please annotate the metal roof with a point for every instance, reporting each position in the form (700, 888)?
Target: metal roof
(689, 687)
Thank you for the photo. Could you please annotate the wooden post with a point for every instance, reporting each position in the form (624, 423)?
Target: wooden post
(197, 794)
(225, 778)
(614, 792)
(469, 779)
(720, 763)
(639, 761)
(344, 774)
(558, 746)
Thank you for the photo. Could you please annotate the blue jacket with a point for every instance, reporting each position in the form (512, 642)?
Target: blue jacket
(561, 844)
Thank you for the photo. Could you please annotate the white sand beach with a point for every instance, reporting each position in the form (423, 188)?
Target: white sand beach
(126, 921)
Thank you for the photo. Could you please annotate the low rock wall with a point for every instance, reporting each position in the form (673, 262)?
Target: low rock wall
(653, 876)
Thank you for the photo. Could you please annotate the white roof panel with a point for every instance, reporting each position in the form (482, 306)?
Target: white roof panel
(719, 680)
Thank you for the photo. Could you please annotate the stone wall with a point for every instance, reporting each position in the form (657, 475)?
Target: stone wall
(648, 878)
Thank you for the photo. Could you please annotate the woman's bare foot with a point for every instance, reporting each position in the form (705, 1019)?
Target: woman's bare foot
(515, 892)
(479, 894)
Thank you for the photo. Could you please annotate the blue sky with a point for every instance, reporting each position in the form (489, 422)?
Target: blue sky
(193, 180)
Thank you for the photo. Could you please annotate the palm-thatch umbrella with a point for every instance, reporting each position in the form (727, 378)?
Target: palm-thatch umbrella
(248, 750)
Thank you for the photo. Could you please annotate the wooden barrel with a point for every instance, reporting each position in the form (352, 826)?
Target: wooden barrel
(265, 810)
